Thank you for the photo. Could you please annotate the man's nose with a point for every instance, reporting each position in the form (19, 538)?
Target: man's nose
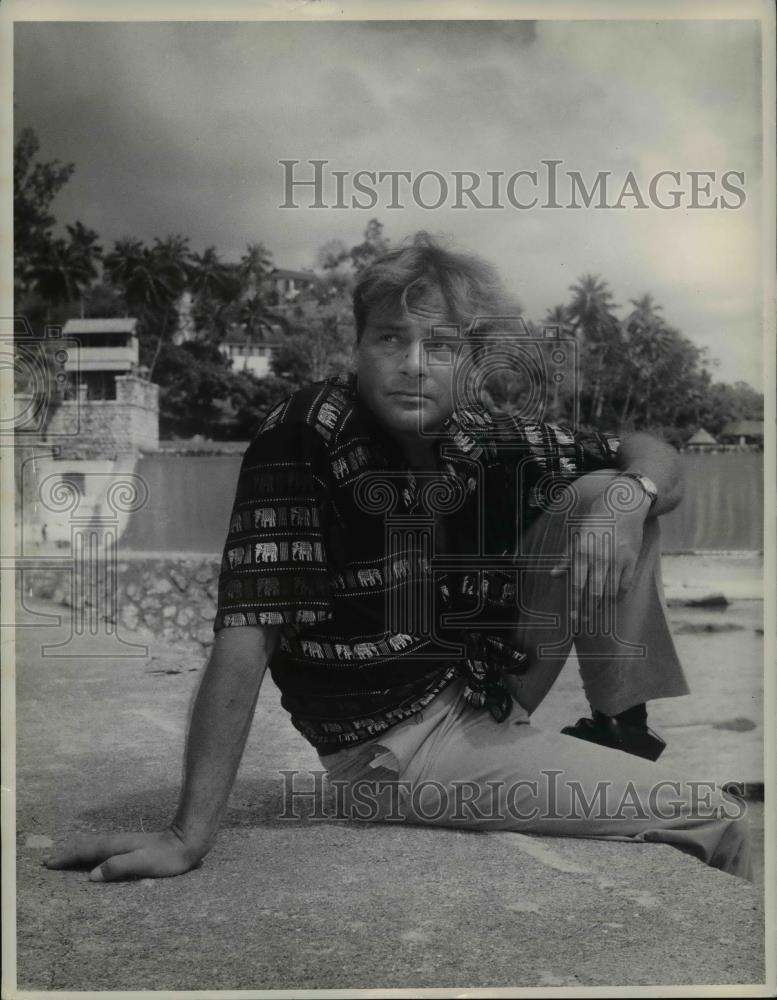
(414, 361)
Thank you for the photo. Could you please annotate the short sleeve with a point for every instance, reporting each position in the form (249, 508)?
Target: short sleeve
(274, 569)
(595, 450)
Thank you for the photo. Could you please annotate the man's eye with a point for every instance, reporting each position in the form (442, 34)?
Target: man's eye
(388, 338)
(439, 353)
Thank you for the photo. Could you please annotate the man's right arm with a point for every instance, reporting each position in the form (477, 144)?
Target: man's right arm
(218, 729)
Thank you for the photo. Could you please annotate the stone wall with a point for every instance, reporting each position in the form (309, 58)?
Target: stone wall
(171, 599)
(106, 428)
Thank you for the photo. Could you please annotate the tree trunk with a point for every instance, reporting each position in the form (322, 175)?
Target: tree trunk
(159, 343)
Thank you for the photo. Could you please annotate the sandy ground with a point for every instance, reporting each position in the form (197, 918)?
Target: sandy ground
(302, 904)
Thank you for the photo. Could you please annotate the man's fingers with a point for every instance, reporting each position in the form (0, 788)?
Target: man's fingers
(143, 863)
(577, 578)
(121, 866)
(86, 850)
(627, 578)
(561, 566)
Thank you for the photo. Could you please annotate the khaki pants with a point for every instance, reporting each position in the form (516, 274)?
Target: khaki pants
(452, 765)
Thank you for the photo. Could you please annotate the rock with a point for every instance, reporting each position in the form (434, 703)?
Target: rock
(130, 617)
(38, 840)
(160, 586)
(716, 600)
(169, 611)
(203, 635)
(131, 590)
(738, 725)
(184, 617)
(178, 579)
(697, 628)
(205, 573)
(152, 620)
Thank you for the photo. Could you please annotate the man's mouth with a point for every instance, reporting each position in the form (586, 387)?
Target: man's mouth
(414, 396)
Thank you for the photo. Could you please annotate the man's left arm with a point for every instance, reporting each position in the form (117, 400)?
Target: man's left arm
(647, 456)
(598, 569)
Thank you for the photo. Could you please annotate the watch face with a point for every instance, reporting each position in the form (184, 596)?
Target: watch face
(648, 486)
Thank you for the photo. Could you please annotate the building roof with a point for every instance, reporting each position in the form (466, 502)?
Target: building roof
(266, 333)
(743, 428)
(282, 272)
(122, 324)
(701, 437)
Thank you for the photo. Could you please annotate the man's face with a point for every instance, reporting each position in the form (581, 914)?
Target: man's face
(405, 376)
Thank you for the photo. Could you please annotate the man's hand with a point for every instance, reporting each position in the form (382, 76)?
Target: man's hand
(603, 554)
(221, 718)
(119, 856)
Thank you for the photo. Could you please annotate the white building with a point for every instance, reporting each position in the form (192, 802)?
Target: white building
(252, 353)
(106, 348)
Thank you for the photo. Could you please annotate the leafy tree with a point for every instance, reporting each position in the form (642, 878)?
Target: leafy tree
(373, 246)
(254, 267)
(200, 394)
(151, 281)
(61, 271)
(35, 186)
(598, 331)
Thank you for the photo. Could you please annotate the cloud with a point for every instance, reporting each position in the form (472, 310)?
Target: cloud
(180, 127)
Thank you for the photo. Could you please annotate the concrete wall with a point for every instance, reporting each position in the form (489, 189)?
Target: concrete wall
(106, 428)
(174, 599)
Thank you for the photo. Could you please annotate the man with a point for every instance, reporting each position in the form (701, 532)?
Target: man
(414, 571)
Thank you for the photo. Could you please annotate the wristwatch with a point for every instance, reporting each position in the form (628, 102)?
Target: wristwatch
(647, 485)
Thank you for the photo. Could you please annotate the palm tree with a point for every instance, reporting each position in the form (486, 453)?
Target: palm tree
(62, 271)
(255, 265)
(598, 332)
(645, 312)
(151, 280)
(215, 286)
(647, 334)
(84, 247)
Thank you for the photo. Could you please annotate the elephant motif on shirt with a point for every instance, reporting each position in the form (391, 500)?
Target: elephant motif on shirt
(235, 556)
(400, 641)
(340, 468)
(266, 552)
(265, 517)
(268, 586)
(401, 568)
(327, 415)
(300, 516)
(364, 650)
(301, 551)
(236, 619)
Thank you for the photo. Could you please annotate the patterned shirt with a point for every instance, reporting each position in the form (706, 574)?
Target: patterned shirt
(369, 568)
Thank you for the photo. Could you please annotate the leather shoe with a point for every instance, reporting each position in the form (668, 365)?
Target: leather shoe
(608, 731)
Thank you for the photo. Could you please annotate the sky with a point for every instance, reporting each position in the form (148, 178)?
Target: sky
(180, 127)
